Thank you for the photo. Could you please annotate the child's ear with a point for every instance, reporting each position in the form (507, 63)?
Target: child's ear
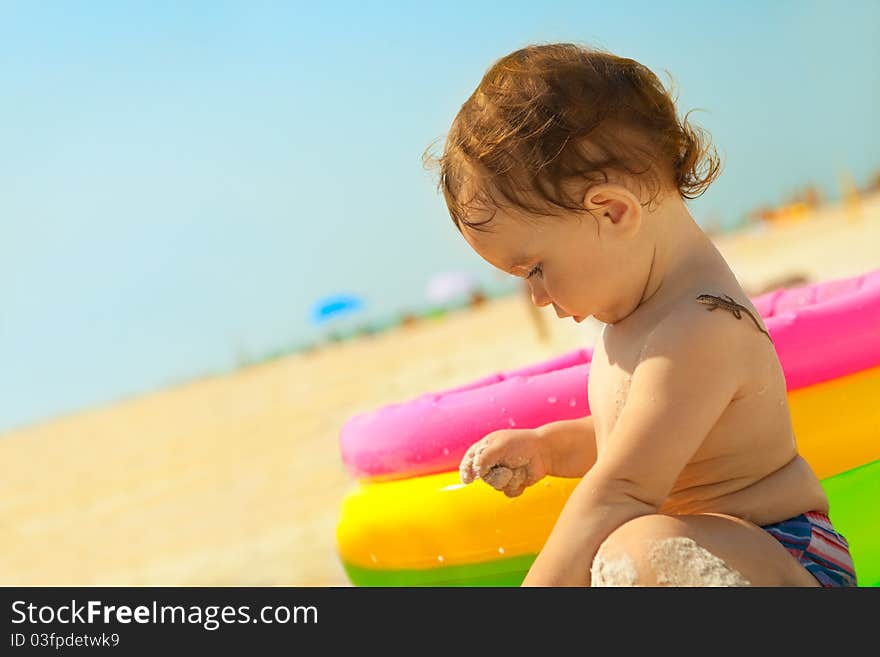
(615, 208)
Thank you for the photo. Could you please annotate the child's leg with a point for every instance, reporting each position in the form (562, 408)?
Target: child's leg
(695, 550)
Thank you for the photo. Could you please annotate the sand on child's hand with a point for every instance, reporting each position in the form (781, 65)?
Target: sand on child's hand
(498, 476)
(504, 478)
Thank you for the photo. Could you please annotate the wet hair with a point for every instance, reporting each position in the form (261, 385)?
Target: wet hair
(546, 117)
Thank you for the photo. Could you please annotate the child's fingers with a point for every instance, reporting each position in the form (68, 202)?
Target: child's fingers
(482, 457)
(515, 492)
(517, 483)
(500, 465)
(488, 456)
(466, 468)
(510, 481)
(498, 476)
(469, 469)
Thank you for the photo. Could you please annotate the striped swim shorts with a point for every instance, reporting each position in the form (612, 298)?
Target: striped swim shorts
(817, 547)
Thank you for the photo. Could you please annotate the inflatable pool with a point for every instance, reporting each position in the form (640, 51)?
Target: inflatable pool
(409, 521)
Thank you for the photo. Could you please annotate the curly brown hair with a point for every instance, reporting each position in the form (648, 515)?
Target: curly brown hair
(546, 116)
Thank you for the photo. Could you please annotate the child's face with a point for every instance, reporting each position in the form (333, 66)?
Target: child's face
(587, 266)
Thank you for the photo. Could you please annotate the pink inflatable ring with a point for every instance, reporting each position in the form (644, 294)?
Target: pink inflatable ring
(821, 332)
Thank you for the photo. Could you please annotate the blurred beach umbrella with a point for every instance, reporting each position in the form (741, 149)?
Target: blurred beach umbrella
(446, 287)
(333, 306)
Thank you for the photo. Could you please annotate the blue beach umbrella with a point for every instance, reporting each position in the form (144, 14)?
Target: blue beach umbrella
(333, 306)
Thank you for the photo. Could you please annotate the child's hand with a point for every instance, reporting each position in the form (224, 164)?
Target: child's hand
(509, 460)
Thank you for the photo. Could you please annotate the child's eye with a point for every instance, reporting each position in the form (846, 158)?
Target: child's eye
(536, 270)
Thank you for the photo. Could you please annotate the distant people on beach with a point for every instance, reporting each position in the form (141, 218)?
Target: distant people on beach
(477, 299)
(408, 319)
(786, 281)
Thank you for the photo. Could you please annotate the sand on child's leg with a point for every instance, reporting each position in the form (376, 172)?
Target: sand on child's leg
(676, 561)
(679, 561)
(613, 572)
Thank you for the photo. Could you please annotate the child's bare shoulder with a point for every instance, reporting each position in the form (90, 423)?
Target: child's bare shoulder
(712, 318)
(709, 330)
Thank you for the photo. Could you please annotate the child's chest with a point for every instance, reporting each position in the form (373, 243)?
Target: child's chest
(610, 376)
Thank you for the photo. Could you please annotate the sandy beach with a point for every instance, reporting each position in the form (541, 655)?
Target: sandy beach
(237, 479)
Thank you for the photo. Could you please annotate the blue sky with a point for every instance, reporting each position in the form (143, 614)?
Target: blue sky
(179, 182)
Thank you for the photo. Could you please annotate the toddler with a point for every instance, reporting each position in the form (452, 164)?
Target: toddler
(569, 167)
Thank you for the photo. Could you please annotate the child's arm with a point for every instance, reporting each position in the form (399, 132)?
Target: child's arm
(511, 460)
(676, 396)
(570, 446)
